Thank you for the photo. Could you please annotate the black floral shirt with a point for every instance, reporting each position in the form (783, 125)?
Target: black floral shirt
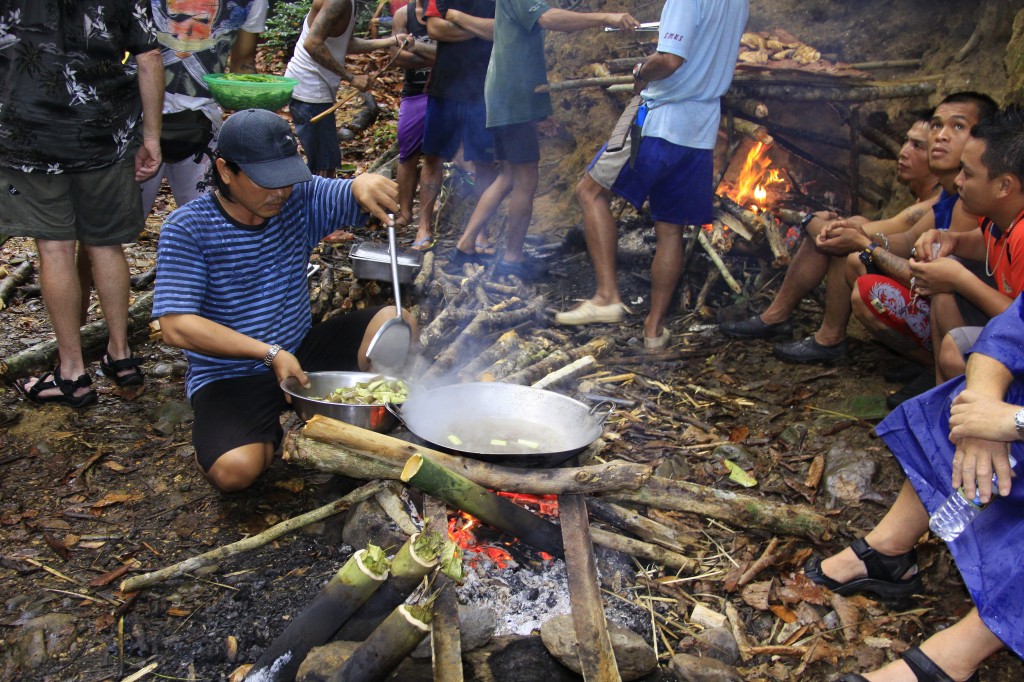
(69, 101)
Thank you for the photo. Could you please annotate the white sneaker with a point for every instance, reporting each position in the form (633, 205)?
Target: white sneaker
(659, 341)
(588, 313)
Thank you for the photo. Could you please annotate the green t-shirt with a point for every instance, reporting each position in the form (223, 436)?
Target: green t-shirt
(517, 65)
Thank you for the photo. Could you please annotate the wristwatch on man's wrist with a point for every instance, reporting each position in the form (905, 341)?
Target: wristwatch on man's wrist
(268, 359)
(1018, 423)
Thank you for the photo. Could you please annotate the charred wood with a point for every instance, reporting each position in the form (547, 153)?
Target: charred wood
(484, 322)
(558, 358)
(863, 92)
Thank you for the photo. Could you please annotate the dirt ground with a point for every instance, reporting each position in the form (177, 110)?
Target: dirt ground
(89, 497)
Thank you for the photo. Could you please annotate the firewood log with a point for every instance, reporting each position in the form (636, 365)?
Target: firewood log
(744, 511)
(528, 375)
(506, 344)
(445, 635)
(14, 280)
(349, 450)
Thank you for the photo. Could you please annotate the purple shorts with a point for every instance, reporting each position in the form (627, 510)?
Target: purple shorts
(676, 180)
(412, 119)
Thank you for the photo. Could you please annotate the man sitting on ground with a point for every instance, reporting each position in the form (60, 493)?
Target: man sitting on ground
(809, 265)
(991, 184)
(231, 290)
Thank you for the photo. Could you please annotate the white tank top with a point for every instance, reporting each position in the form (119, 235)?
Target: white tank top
(317, 84)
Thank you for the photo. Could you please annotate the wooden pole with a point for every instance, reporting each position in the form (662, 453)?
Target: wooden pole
(462, 493)
(594, 644)
(719, 263)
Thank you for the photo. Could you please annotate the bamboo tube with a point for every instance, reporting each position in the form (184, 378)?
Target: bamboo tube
(416, 558)
(460, 492)
(333, 605)
(388, 645)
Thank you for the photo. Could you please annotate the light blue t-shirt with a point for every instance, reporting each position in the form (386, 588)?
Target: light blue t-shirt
(685, 107)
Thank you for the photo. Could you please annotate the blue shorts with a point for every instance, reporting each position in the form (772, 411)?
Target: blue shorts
(676, 180)
(517, 143)
(451, 123)
(319, 140)
(412, 119)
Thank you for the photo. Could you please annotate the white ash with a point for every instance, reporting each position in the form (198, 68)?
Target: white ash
(524, 599)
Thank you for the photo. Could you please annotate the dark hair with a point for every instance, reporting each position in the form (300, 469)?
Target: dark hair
(985, 105)
(1003, 135)
(217, 181)
(922, 116)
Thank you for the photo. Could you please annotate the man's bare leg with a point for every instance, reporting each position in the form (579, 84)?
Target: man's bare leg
(239, 468)
(407, 176)
(804, 273)
(602, 239)
(485, 208)
(112, 280)
(58, 277)
(665, 271)
(837, 304)
(430, 187)
(525, 177)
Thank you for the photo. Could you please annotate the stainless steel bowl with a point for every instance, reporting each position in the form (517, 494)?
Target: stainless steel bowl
(306, 402)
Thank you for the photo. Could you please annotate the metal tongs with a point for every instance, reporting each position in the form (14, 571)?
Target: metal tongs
(649, 26)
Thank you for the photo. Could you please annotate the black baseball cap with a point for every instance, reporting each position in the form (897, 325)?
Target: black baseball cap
(264, 146)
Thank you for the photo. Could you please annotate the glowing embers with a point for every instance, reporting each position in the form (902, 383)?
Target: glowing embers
(481, 543)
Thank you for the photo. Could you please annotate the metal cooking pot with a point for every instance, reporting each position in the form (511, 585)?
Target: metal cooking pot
(532, 427)
(307, 401)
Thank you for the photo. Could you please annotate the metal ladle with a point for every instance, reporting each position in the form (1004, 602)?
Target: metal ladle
(389, 347)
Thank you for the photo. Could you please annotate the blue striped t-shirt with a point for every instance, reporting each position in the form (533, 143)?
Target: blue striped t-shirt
(249, 278)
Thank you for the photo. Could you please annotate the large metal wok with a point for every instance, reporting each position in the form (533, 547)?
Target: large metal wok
(503, 423)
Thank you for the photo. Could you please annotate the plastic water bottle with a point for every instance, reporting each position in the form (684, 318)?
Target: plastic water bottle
(958, 512)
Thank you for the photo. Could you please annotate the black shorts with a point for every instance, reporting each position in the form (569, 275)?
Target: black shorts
(517, 143)
(230, 413)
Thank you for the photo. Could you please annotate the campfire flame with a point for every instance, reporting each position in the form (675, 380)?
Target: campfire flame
(751, 188)
(462, 530)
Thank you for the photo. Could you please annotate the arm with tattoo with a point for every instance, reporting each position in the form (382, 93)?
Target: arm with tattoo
(332, 20)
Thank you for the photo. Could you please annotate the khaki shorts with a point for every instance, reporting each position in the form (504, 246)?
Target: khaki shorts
(99, 208)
